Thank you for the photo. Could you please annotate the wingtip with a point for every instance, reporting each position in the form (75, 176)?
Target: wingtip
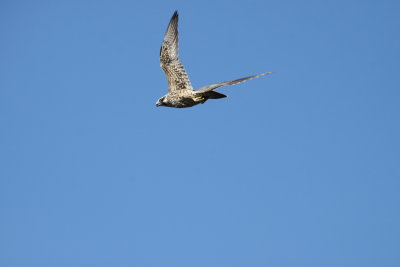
(176, 14)
(266, 73)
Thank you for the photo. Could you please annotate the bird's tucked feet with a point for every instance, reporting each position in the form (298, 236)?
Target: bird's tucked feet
(199, 98)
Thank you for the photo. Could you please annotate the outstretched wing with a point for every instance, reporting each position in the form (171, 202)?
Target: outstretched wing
(169, 61)
(215, 86)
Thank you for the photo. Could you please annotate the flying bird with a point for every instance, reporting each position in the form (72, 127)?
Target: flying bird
(180, 91)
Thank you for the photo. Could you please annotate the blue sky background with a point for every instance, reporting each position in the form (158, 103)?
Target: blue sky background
(299, 168)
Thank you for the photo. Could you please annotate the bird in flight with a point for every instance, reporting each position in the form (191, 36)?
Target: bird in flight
(180, 91)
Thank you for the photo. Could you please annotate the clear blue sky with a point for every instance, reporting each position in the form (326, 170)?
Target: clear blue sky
(299, 168)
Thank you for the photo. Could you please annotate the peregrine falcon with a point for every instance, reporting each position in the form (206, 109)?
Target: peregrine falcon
(181, 93)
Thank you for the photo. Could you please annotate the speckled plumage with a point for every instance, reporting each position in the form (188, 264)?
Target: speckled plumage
(181, 93)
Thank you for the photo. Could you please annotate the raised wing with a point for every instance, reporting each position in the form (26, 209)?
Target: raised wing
(215, 86)
(169, 61)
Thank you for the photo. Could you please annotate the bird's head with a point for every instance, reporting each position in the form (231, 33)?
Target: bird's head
(160, 102)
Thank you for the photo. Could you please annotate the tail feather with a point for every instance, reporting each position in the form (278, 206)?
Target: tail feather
(214, 95)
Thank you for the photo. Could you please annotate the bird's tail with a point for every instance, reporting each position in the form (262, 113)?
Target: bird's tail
(214, 95)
